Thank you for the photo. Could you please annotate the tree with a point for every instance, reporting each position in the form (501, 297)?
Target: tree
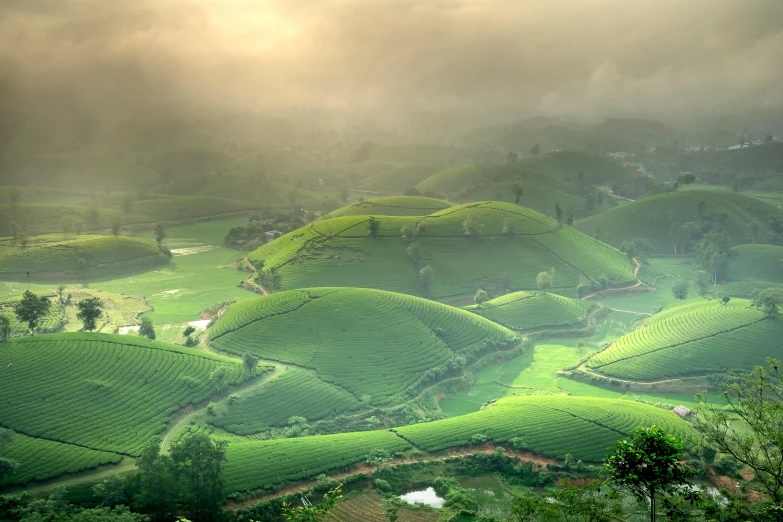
(511, 157)
(571, 216)
(703, 280)
(89, 311)
(545, 280)
(685, 179)
(558, 213)
(408, 232)
(197, 461)
(146, 329)
(768, 301)
(569, 503)
(750, 428)
(769, 138)
(517, 190)
(535, 150)
(31, 309)
(509, 226)
(481, 296)
(377, 458)
(425, 278)
(219, 377)
(752, 231)
(160, 233)
(65, 225)
(5, 327)
(155, 486)
(648, 466)
(116, 225)
(314, 513)
(127, 203)
(251, 362)
(472, 226)
(374, 226)
(7, 466)
(187, 332)
(680, 288)
(725, 300)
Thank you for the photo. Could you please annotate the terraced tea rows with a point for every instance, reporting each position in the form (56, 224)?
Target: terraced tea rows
(549, 425)
(693, 339)
(391, 206)
(261, 464)
(523, 311)
(367, 507)
(40, 459)
(295, 392)
(104, 392)
(369, 342)
(340, 252)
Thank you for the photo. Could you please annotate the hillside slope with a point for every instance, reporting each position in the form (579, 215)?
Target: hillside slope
(369, 342)
(391, 206)
(400, 179)
(655, 216)
(523, 311)
(752, 268)
(340, 252)
(693, 339)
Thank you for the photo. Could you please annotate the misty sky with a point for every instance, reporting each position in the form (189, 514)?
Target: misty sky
(580, 57)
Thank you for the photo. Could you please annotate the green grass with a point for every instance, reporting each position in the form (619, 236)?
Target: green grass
(753, 267)
(339, 252)
(653, 216)
(391, 206)
(296, 392)
(189, 207)
(693, 339)
(260, 464)
(84, 170)
(369, 342)
(100, 391)
(524, 311)
(78, 255)
(400, 179)
(367, 507)
(550, 425)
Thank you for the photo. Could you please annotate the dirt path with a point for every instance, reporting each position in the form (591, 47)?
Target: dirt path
(637, 285)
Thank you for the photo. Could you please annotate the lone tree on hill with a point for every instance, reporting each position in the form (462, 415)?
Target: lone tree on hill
(725, 300)
(116, 225)
(481, 296)
(535, 150)
(374, 226)
(7, 466)
(545, 280)
(251, 362)
(89, 311)
(146, 329)
(160, 233)
(648, 466)
(768, 301)
(517, 190)
(31, 309)
(680, 289)
(703, 280)
(5, 327)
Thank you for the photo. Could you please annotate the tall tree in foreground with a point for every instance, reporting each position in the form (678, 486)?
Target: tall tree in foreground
(750, 429)
(89, 312)
(197, 462)
(648, 466)
(31, 309)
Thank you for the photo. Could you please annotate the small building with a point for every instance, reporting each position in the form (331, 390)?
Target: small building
(682, 411)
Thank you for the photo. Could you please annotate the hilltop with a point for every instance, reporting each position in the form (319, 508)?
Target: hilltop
(691, 340)
(86, 399)
(53, 255)
(525, 311)
(508, 246)
(400, 179)
(391, 206)
(378, 346)
(659, 218)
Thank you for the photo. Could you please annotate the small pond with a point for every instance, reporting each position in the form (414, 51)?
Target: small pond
(423, 496)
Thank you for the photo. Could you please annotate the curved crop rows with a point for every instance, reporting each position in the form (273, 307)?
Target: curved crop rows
(260, 464)
(369, 342)
(392, 206)
(550, 425)
(100, 391)
(523, 311)
(293, 393)
(693, 339)
(367, 507)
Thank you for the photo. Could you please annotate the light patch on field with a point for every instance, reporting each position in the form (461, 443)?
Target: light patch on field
(200, 324)
(192, 250)
(125, 330)
(174, 293)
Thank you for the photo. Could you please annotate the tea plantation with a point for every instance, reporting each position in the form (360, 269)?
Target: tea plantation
(524, 311)
(693, 339)
(341, 252)
(391, 206)
(369, 342)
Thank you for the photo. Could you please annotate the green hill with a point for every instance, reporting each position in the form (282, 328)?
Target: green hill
(371, 343)
(524, 311)
(97, 396)
(189, 207)
(340, 252)
(550, 425)
(400, 179)
(391, 206)
(566, 165)
(693, 339)
(752, 268)
(417, 153)
(84, 170)
(656, 217)
(54, 255)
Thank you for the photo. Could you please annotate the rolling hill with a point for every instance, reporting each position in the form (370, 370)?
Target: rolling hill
(752, 268)
(525, 311)
(549, 425)
(391, 206)
(653, 217)
(693, 339)
(340, 252)
(91, 398)
(88, 255)
(400, 179)
(375, 345)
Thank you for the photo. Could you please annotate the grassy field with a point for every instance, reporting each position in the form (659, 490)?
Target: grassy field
(653, 216)
(373, 344)
(367, 507)
(524, 311)
(752, 268)
(391, 206)
(105, 393)
(340, 252)
(78, 256)
(692, 339)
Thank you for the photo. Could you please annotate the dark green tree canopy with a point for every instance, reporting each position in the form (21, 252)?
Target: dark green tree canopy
(31, 309)
(89, 312)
